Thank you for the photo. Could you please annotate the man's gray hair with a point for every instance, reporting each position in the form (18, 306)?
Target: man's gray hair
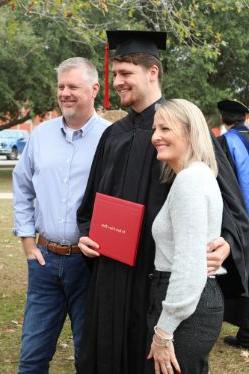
(82, 63)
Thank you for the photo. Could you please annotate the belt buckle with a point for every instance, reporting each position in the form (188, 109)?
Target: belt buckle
(69, 250)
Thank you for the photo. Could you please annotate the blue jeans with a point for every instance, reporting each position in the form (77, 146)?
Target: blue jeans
(54, 290)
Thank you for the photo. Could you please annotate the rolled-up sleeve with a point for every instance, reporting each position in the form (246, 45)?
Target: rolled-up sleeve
(24, 194)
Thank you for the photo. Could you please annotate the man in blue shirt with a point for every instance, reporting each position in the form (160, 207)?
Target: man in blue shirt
(49, 183)
(235, 143)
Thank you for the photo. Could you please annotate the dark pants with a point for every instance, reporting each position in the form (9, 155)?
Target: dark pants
(54, 290)
(237, 313)
(195, 336)
(243, 336)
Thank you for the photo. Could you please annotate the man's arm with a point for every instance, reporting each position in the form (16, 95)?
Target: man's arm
(24, 195)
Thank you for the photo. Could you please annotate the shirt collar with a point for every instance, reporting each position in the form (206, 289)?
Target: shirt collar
(82, 130)
(240, 126)
(146, 113)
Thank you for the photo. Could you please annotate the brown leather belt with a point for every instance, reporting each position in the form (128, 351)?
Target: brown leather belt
(59, 249)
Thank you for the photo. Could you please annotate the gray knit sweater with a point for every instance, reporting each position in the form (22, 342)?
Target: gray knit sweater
(188, 220)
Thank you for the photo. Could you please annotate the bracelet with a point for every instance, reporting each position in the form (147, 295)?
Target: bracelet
(164, 344)
(161, 341)
(162, 337)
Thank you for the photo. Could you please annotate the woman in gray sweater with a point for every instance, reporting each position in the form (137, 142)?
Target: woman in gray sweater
(186, 305)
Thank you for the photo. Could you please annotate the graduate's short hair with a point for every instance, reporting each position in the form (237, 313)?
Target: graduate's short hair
(82, 63)
(142, 59)
(196, 129)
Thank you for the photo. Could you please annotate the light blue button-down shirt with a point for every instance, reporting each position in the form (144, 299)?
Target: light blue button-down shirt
(50, 178)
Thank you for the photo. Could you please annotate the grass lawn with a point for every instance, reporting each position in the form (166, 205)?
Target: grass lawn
(5, 179)
(13, 281)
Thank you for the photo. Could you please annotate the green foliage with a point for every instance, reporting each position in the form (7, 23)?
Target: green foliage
(21, 62)
(31, 47)
(207, 47)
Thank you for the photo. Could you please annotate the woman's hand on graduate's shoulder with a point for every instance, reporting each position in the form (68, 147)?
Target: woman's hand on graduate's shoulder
(88, 246)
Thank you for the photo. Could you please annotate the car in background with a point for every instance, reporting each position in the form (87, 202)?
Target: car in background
(12, 143)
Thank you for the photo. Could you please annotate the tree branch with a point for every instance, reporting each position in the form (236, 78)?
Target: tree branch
(4, 2)
(15, 121)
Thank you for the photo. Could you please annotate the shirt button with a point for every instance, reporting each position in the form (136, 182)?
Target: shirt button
(150, 276)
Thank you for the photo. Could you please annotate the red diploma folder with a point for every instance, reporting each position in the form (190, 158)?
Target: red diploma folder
(116, 227)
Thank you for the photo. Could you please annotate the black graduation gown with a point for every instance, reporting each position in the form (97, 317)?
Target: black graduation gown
(236, 308)
(125, 166)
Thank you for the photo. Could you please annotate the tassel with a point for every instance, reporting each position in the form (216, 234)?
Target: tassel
(106, 102)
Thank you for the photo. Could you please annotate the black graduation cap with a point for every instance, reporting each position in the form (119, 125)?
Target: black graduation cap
(232, 106)
(127, 42)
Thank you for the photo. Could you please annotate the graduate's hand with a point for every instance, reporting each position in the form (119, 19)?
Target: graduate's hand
(217, 251)
(88, 246)
(31, 251)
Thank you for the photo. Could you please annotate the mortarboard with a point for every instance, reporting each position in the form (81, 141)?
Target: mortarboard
(232, 106)
(127, 42)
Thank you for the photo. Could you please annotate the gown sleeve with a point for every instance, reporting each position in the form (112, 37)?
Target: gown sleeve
(84, 212)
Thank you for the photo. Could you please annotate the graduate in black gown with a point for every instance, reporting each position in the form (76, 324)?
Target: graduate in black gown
(125, 166)
(235, 144)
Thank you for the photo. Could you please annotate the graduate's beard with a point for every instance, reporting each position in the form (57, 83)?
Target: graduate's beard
(126, 100)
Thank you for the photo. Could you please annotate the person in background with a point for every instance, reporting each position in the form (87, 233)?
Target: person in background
(247, 120)
(125, 166)
(186, 306)
(49, 182)
(235, 143)
(100, 110)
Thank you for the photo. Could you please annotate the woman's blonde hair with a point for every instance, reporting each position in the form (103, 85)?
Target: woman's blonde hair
(196, 129)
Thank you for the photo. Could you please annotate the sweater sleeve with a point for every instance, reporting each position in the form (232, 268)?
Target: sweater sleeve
(188, 214)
